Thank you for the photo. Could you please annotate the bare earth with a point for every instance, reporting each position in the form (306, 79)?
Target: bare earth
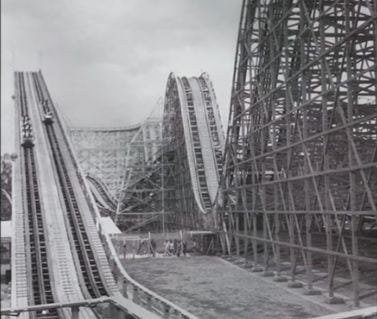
(211, 288)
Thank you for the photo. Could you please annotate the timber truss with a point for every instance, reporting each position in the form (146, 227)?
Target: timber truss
(163, 174)
(140, 204)
(300, 182)
(101, 153)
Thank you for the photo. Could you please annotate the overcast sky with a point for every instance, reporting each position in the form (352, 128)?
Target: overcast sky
(106, 63)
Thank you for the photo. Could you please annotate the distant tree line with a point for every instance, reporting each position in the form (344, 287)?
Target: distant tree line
(6, 186)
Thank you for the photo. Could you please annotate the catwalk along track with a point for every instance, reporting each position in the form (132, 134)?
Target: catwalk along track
(54, 195)
(39, 277)
(94, 284)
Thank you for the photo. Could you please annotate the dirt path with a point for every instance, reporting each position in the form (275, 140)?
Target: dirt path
(211, 288)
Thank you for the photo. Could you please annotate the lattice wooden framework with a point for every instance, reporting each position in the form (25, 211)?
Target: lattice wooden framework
(102, 152)
(140, 204)
(300, 182)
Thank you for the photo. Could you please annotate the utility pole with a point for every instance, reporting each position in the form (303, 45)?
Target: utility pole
(162, 179)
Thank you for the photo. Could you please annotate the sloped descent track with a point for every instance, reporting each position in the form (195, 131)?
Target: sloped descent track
(192, 127)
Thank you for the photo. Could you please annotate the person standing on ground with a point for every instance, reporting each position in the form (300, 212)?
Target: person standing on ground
(184, 248)
(175, 246)
(179, 248)
(124, 250)
(153, 247)
(167, 247)
(171, 247)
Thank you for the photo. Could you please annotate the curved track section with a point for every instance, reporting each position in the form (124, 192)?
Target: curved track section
(101, 194)
(195, 142)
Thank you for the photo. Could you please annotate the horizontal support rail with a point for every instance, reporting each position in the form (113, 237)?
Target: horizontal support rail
(308, 249)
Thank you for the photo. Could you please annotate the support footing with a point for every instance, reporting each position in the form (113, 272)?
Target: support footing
(256, 269)
(268, 274)
(312, 292)
(335, 300)
(295, 284)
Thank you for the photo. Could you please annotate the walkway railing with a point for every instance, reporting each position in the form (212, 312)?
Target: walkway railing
(110, 307)
(365, 313)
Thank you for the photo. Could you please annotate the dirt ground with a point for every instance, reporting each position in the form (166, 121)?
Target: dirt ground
(211, 288)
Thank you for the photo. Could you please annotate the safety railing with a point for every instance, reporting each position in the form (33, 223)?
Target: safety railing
(107, 307)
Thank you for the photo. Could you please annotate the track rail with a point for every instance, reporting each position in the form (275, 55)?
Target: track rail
(40, 280)
(212, 125)
(199, 162)
(103, 192)
(94, 286)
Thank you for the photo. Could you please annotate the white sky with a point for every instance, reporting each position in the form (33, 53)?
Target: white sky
(106, 63)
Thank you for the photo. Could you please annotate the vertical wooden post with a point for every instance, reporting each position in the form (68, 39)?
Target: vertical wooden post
(75, 312)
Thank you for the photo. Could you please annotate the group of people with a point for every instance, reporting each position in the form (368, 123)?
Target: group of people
(142, 249)
(26, 128)
(175, 248)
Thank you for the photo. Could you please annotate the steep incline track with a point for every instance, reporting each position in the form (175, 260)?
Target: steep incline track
(39, 277)
(90, 272)
(194, 144)
(193, 128)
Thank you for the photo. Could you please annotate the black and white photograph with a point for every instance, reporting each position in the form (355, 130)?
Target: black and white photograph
(188, 159)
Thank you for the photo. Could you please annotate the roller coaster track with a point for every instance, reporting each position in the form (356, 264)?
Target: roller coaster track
(94, 285)
(41, 292)
(197, 122)
(213, 122)
(6, 195)
(194, 143)
(195, 146)
(103, 192)
(57, 253)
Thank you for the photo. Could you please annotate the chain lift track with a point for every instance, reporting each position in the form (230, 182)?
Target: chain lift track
(41, 292)
(85, 255)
